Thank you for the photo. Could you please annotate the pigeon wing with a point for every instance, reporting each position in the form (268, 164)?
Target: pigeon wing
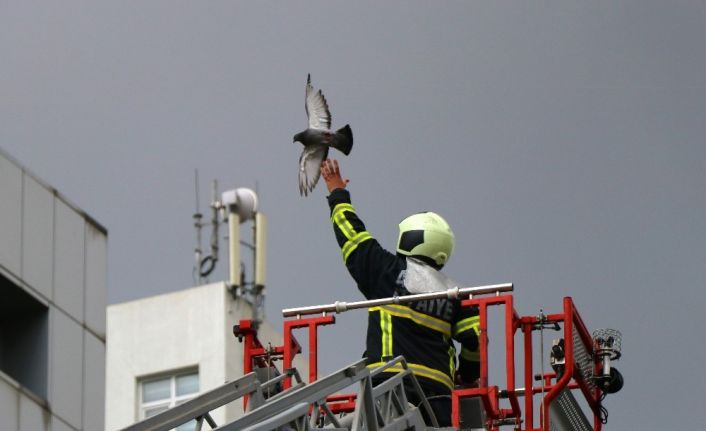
(316, 108)
(310, 167)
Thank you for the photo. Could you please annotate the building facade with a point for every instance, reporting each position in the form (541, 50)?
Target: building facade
(53, 283)
(168, 348)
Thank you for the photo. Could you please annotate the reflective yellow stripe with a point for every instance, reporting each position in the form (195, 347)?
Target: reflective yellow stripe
(339, 219)
(353, 243)
(417, 317)
(342, 207)
(344, 225)
(386, 331)
(452, 360)
(420, 370)
(470, 355)
(466, 324)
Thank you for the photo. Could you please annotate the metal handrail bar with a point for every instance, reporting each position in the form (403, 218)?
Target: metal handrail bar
(454, 293)
(309, 394)
(199, 406)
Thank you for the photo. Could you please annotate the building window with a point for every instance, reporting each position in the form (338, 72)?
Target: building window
(158, 394)
(24, 337)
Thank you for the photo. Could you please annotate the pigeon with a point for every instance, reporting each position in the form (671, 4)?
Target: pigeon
(317, 139)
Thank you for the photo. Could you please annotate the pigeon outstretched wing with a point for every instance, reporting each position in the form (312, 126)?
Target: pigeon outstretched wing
(316, 108)
(310, 167)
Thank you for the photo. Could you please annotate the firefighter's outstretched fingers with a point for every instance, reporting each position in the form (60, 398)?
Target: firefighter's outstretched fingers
(332, 175)
(325, 169)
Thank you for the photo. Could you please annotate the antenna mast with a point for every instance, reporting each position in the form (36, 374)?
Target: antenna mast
(234, 207)
(205, 265)
(197, 225)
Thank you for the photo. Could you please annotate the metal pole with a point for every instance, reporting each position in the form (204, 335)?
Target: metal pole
(455, 293)
(215, 207)
(234, 235)
(197, 224)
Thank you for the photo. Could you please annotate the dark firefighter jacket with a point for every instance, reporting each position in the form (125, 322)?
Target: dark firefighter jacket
(421, 331)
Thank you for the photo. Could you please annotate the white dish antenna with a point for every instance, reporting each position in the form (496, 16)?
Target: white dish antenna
(241, 200)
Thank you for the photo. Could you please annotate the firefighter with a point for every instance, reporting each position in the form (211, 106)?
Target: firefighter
(421, 331)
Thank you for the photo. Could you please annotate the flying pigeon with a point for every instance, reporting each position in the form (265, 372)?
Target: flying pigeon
(317, 139)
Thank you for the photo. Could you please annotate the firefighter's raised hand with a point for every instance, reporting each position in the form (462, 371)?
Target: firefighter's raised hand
(332, 175)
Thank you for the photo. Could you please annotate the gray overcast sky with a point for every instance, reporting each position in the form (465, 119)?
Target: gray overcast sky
(564, 141)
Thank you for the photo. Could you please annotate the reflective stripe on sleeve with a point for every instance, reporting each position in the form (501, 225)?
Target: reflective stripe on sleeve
(339, 219)
(466, 324)
(339, 208)
(470, 355)
(353, 243)
(452, 360)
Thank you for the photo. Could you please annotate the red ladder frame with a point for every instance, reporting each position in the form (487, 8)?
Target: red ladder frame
(490, 395)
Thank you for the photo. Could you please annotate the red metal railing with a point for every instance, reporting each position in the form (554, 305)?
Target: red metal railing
(490, 395)
(312, 323)
(571, 378)
(255, 354)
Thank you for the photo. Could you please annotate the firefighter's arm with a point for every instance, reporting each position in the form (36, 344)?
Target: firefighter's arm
(466, 331)
(468, 368)
(363, 255)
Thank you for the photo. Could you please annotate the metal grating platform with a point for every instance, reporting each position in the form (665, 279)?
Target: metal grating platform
(584, 360)
(566, 415)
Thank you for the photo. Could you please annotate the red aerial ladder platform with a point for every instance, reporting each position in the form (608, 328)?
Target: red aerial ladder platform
(569, 398)
(580, 363)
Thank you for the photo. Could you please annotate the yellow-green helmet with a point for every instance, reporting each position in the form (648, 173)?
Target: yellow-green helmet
(426, 235)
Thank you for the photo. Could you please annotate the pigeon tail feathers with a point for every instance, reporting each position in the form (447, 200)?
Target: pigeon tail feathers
(343, 140)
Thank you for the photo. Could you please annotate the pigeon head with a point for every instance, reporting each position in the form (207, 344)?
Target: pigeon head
(299, 137)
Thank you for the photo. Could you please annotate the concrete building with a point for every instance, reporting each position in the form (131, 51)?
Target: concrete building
(53, 276)
(168, 348)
